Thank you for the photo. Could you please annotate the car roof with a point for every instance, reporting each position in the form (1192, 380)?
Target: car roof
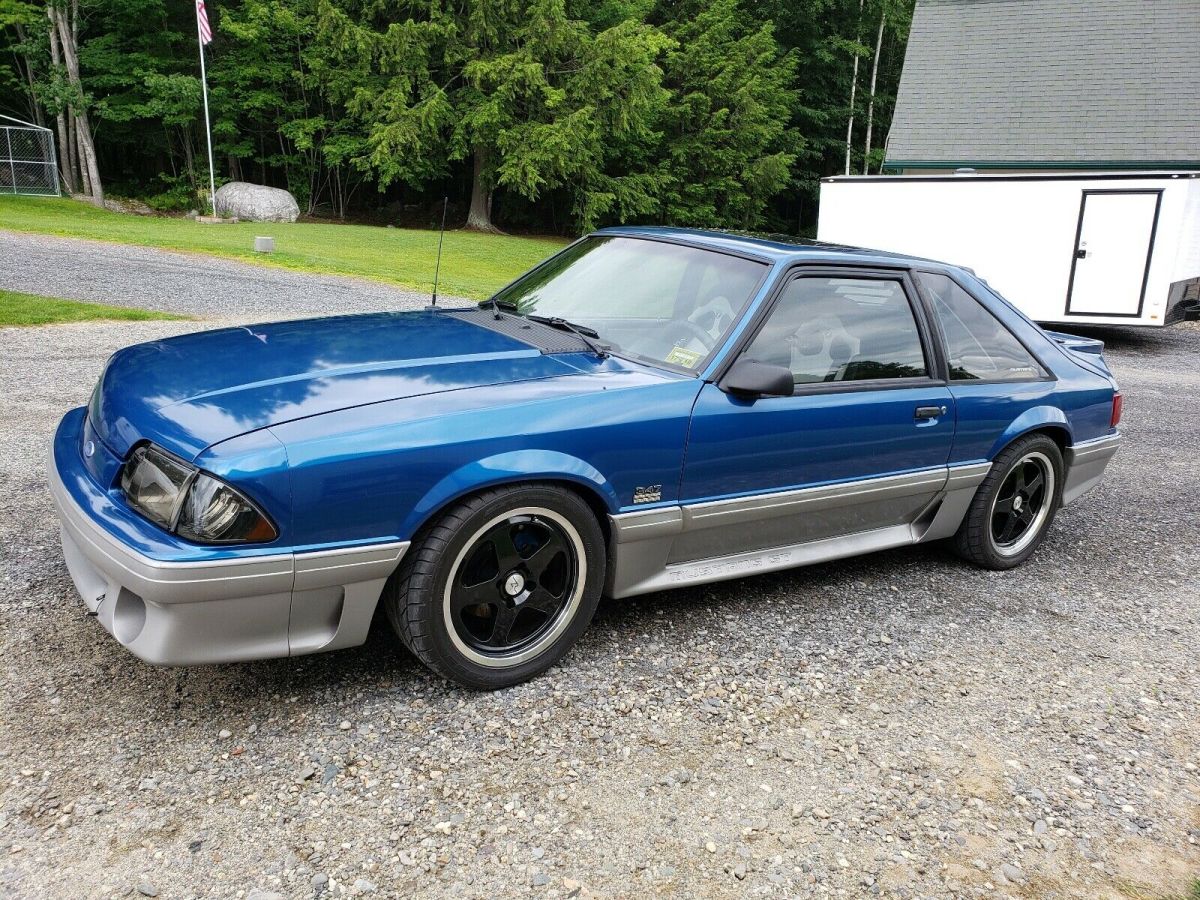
(767, 246)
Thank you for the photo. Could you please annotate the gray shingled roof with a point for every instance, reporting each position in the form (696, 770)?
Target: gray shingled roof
(1061, 81)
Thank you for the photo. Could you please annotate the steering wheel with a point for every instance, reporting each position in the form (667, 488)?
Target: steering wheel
(694, 331)
(714, 316)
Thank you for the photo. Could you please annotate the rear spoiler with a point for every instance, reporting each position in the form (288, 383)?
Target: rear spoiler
(1088, 351)
(1077, 343)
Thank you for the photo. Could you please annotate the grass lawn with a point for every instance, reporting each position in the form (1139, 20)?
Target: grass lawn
(473, 265)
(30, 309)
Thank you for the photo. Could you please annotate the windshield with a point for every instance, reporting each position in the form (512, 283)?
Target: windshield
(645, 298)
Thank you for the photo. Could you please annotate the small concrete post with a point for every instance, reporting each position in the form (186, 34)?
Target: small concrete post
(264, 244)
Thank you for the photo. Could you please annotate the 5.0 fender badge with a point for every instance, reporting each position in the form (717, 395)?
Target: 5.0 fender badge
(651, 493)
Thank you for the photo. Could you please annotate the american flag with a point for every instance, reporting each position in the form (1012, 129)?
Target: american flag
(202, 23)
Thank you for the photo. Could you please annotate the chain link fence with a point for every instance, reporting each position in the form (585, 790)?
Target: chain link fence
(27, 160)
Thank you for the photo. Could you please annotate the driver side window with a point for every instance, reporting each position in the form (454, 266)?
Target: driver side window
(830, 330)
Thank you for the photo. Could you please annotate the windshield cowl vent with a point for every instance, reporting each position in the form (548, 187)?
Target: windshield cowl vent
(542, 337)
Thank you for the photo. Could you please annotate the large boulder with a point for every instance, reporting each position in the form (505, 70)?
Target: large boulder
(256, 203)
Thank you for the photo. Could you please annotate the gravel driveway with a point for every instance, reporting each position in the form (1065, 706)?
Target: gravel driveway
(899, 725)
(187, 283)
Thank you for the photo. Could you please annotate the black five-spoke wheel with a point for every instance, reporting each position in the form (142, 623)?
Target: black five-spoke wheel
(1013, 508)
(500, 585)
(513, 582)
(1021, 502)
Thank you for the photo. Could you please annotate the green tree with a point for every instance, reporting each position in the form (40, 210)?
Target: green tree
(137, 66)
(729, 144)
(895, 16)
(268, 108)
(528, 95)
(567, 111)
(18, 66)
(828, 36)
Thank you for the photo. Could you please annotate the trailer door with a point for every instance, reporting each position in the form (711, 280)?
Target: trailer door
(1113, 244)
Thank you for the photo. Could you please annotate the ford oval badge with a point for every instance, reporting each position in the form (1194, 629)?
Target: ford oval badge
(89, 448)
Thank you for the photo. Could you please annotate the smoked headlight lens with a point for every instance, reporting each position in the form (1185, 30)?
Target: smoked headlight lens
(191, 503)
(154, 484)
(213, 512)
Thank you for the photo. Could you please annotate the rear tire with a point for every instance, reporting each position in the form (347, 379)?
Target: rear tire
(1014, 506)
(500, 586)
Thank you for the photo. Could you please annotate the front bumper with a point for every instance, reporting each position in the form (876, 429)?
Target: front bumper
(221, 609)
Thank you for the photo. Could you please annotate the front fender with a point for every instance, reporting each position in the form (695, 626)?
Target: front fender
(1032, 419)
(507, 468)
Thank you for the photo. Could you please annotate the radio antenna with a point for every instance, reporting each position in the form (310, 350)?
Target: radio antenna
(437, 269)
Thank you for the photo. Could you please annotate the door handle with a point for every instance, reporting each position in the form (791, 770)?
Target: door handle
(930, 412)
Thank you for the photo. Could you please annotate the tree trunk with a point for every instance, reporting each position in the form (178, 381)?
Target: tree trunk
(66, 155)
(479, 218)
(88, 161)
(85, 184)
(66, 171)
(72, 149)
(189, 158)
(85, 181)
(87, 148)
(853, 91)
(871, 102)
(35, 109)
(77, 155)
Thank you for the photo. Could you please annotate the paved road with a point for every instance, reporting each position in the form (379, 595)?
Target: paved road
(182, 283)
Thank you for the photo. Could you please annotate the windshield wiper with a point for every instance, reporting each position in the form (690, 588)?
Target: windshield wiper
(583, 332)
(564, 325)
(497, 305)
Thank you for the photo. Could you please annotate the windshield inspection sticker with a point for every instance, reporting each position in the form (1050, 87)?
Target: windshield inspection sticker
(682, 357)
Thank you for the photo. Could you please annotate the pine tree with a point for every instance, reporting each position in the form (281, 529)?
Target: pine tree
(728, 142)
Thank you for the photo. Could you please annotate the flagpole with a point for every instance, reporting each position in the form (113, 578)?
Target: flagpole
(212, 180)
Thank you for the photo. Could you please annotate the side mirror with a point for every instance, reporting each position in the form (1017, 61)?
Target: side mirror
(749, 378)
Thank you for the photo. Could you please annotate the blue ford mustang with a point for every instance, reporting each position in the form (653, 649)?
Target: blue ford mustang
(650, 408)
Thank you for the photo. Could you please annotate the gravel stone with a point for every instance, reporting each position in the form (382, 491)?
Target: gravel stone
(1011, 874)
(1002, 700)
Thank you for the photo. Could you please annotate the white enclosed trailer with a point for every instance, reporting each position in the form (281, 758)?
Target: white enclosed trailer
(1097, 248)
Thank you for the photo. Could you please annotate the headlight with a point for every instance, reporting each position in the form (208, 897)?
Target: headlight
(154, 484)
(191, 503)
(213, 513)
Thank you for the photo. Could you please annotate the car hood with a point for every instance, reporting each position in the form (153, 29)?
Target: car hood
(189, 392)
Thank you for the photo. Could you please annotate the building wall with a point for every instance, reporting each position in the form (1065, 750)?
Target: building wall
(1050, 83)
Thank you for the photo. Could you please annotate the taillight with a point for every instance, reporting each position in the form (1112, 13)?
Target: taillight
(1116, 412)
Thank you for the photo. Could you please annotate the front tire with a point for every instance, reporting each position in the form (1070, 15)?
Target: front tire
(500, 586)
(1014, 506)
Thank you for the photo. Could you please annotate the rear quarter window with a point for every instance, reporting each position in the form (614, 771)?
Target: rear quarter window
(978, 345)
